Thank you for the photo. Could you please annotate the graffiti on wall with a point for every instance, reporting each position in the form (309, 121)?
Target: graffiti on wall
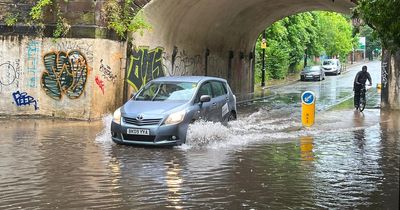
(180, 63)
(100, 83)
(32, 63)
(185, 64)
(65, 74)
(144, 65)
(384, 75)
(9, 74)
(83, 46)
(106, 72)
(23, 99)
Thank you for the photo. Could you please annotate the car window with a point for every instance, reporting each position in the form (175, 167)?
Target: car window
(205, 89)
(167, 91)
(218, 88)
(315, 69)
(328, 62)
(311, 69)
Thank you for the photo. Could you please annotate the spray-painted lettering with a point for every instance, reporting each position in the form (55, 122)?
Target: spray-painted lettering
(66, 73)
(144, 66)
(100, 83)
(107, 73)
(23, 99)
(32, 59)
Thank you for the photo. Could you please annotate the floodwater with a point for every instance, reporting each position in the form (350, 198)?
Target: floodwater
(263, 160)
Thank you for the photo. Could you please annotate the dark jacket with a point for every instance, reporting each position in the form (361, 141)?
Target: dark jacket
(361, 79)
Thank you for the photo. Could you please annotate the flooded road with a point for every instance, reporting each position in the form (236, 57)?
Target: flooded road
(264, 160)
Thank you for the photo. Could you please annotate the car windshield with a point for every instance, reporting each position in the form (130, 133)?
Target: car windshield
(311, 69)
(328, 62)
(167, 91)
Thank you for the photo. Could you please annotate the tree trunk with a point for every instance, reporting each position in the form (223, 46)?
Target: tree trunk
(390, 95)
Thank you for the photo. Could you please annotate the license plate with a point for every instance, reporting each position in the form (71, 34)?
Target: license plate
(309, 76)
(138, 131)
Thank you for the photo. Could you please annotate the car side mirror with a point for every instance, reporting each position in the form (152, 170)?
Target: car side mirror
(205, 98)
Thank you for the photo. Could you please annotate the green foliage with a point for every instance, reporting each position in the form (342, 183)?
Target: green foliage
(336, 34)
(11, 19)
(373, 43)
(121, 18)
(311, 33)
(37, 11)
(278, 66)
(62, 27)
(383, 16)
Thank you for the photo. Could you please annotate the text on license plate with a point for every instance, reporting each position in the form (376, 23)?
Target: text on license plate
(138, 131)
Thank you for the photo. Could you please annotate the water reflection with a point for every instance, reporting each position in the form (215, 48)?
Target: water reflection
(174, 184)
(306, 148)
(262, 161)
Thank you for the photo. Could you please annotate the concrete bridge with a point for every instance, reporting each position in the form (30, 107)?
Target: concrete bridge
(218, 37)
(83, 76)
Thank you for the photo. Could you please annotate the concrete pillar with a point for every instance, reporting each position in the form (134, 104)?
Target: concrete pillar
(390, 96)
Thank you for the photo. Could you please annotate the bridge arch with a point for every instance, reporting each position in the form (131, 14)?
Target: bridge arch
(213, 38)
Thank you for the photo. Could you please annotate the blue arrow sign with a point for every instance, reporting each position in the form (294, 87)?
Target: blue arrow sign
(308, 97)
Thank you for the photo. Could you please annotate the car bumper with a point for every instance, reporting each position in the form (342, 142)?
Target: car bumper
(330, 70)
(164, 135)
(309, 77)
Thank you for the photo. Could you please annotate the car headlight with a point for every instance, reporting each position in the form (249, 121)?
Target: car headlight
(117, 116)
(175, 118)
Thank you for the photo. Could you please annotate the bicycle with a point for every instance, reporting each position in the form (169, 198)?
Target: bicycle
(362, 100)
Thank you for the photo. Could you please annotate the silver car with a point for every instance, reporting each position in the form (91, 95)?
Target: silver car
(332, 66)
(161, 111)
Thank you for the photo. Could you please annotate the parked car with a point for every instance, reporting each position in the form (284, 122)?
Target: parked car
(312, 73)
(161, 111)
(332, 66)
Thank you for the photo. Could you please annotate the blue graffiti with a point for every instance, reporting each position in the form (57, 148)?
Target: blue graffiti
(23, 99)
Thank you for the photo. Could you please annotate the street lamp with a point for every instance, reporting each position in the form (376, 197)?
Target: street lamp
(263, 46)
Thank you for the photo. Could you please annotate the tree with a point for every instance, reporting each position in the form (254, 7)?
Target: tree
(336, 34)
(383, 17)
(373, 43)
(306, 34)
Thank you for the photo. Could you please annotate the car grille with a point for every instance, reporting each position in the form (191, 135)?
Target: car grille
(128, 137)
(142, 122)
(327, 68)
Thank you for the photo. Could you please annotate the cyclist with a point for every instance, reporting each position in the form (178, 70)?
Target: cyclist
(359, 83)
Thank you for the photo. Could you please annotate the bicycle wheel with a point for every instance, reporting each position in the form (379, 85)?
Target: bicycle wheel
(361, 107)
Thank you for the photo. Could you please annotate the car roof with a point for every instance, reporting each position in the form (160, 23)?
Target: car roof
(196, 79)
(312, 67)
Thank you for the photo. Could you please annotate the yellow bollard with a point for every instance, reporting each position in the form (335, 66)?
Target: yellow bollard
(308, 108)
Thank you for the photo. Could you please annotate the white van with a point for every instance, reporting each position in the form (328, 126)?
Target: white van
(332, 66)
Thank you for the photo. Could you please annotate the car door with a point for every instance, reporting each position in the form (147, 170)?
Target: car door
(208, 110)
(220, 99)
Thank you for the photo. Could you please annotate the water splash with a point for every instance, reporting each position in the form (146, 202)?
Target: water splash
(104, 137)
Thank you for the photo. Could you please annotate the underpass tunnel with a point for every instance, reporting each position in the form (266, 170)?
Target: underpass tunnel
(208, 37)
